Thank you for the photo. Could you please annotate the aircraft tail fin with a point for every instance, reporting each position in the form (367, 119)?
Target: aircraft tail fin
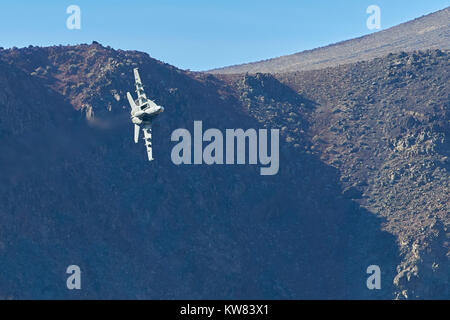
(136, 133)
(131, 101)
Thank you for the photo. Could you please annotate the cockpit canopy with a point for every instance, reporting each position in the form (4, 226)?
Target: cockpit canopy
(144, 106)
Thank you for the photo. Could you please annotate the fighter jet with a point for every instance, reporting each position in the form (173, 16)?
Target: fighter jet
(143, 112)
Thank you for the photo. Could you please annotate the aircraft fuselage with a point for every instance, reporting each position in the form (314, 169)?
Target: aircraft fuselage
(146, 115)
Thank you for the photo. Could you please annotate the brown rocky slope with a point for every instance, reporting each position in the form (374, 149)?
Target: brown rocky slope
(363, 180)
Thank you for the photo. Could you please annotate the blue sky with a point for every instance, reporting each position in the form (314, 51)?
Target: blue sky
(202, 34)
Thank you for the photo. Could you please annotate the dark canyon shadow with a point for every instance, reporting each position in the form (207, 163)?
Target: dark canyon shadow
(88, 196)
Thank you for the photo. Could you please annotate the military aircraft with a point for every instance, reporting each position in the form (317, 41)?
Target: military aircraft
(143, 112)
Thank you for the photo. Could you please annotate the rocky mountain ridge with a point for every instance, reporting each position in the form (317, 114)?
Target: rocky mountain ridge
(363, 180)
(431, 31)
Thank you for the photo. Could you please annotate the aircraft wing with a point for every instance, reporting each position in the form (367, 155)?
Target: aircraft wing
(142, 98)
(147, 128)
